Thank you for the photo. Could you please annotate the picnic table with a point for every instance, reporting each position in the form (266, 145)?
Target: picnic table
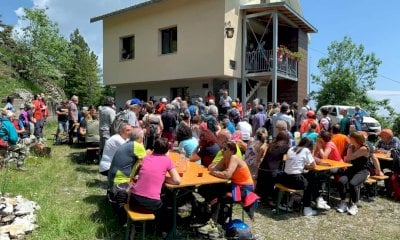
(190, 178)
(327, 165)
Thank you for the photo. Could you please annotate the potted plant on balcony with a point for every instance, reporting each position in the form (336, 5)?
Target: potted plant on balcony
(298, 56)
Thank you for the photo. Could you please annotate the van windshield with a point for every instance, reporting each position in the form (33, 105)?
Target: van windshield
(351, 111)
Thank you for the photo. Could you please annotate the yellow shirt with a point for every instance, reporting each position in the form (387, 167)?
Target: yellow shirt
(139, 151)
(219, 155)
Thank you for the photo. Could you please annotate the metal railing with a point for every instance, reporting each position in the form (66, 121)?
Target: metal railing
(261, 61)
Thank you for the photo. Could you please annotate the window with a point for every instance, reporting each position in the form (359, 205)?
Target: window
(127, 48)
(169, 40)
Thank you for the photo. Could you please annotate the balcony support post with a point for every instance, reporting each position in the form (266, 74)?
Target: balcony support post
(274, 56)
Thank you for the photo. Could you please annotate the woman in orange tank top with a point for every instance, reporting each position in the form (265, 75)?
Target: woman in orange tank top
(232, 167)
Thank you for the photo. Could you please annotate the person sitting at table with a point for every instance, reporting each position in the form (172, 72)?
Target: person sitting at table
(111, 146)
(145, 194)
(340, 140)
(126, 157)
(375, 169)
(325, 148)
(186, 141)
(358, 155)
(387, 141)
(271, 167)
(234, 168)
(207, 149)
(298, 159)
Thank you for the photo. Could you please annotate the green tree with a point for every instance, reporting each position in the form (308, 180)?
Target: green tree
(7, 50)
(47, 56)
(346, 75)
(82, 78)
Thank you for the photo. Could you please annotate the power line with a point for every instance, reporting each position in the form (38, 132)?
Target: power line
(380, 75)
(388, 78)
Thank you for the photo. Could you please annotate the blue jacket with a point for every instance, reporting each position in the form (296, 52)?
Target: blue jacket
(8, 132)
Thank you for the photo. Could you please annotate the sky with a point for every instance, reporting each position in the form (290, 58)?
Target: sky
(367, 22)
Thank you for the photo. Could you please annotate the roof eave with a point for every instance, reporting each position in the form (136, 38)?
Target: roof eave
(123, 10)
(312, 29)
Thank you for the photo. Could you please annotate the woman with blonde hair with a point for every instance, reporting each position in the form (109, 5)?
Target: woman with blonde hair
(358, 155)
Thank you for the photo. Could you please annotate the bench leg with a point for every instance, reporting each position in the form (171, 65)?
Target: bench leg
(278, 201)
(128, 228)
(144, 231)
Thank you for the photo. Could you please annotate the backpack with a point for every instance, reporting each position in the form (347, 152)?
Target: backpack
(118, 196)
(329, 124)
(392, 184)
(347, 126)
(238, 230)
(192, 110)
(121, 117)
(92, 131)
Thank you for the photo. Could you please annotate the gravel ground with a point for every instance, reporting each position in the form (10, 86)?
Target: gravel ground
(379, 219)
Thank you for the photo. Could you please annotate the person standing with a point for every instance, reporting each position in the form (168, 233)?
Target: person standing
(106, 118)
(358, 118)
(225, 102)
(38, 116)
(73, 120)
(62, 117)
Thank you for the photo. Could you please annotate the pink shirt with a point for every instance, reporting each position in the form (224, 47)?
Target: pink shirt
(152, 176)
(334, 154)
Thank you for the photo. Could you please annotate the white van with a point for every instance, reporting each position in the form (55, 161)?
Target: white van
(370, 124)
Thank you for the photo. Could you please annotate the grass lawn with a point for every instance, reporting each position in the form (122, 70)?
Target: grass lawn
(73, 206)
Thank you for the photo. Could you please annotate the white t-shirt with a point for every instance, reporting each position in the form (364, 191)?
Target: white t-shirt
(246, 130)
(111, 146)
(295, 162)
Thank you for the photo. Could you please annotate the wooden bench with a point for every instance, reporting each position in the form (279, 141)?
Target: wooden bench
(379, 178)
(133, 216)
(283, 189)
(368, 183)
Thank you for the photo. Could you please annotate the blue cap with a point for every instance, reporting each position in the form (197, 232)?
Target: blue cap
(135, 101)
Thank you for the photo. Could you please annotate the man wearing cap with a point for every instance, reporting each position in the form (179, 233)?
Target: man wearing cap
(387, 141)
(133, 112)
(311, 118)
(282, 115)
(106, 118)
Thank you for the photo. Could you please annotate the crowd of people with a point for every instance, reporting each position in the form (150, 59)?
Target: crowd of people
(19, 132)
(253, 145)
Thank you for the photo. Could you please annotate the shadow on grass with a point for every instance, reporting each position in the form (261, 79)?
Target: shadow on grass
(96, 183)
(87, 170)
(109, 227)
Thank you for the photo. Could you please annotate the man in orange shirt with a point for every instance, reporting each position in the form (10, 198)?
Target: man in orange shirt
(38, 116)
(311, 118)
(340, 140)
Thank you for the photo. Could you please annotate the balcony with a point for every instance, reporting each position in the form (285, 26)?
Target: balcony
(260, 62)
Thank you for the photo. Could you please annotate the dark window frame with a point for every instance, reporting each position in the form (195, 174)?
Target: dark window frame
(169, 40)
(127, 48)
